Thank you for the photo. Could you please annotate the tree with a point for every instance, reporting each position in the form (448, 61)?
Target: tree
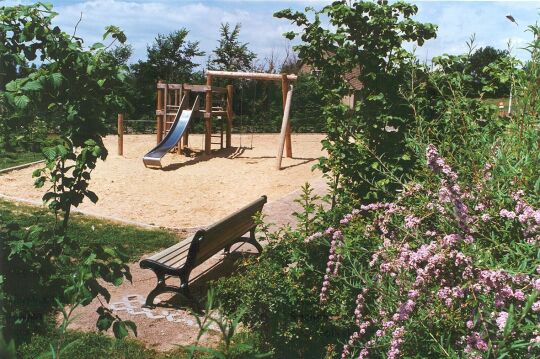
(481, 58)
(171, 59)
(120, 55)
(171, 56)
(231, 54)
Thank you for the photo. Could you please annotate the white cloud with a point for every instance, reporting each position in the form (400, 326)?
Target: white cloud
(143, 20)
(457, 21)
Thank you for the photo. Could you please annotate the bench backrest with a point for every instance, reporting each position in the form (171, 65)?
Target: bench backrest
(211, 240)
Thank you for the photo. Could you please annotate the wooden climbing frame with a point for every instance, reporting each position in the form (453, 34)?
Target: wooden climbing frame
(168, 101)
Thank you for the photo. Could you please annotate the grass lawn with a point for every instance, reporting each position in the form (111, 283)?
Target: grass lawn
(93, 346)
(134, 242)
(11, 159)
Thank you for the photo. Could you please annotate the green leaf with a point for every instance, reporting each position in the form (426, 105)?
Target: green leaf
(104, 323)
(92, 196)
(13, 86)
(119, 330)
(50, 153)
(131, 325)
(21, 101)
(56, 79)
(32, 86)
(97, 45)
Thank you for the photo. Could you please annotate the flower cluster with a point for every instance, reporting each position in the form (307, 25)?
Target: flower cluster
(334, 261)
(362, 326)
(437, 270)
(450, 190)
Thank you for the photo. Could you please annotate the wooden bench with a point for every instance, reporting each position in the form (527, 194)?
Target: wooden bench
(180, 259)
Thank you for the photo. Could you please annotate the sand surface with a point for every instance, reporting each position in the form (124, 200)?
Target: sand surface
(189, 191)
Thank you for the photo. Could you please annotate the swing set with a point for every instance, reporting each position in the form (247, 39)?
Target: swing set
(174, 112)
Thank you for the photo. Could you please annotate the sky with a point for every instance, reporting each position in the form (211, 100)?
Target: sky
(143, 20)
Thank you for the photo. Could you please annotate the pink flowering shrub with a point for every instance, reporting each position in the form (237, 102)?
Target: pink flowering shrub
(444, 270)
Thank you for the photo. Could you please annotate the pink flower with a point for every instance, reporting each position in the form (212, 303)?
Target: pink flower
(501, 320)
(313, 236)
(536, 306)
(411, 221)
(536, 284)
(485, 217)
(479, 207)
(475, 341)
(519, 295)
(395, 343)
(504, 213)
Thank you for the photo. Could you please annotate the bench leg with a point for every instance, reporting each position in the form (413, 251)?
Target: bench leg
(160, 288)
(253, 240)
(184, 287)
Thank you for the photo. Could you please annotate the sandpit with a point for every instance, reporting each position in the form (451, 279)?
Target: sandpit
(188, 192)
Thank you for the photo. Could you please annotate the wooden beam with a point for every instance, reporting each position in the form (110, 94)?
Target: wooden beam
(159, 107)
(284, 125)
(120, 134)
(164, 85)
(249, 75)
(284, 93)
(164, 121)
(204, 88)
(230, 115)
(208, 117)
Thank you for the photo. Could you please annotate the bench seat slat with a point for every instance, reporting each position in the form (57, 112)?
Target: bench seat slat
(171, 251)
(173, 256)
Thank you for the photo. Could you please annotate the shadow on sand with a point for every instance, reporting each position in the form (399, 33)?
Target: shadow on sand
(229, 153)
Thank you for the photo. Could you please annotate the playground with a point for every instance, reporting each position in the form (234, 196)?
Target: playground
(189, 191)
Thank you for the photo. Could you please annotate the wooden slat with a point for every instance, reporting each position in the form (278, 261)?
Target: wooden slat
(224, 232)
(219, 89)
(204, 88)
(162, 85)
(158, 257)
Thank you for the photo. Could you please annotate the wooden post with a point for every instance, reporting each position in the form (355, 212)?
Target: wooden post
(230, 115)
(159, 122)
(284, 93)
(208, 117)
(185, 137)
(177, 101)
(120, 134)
(165, 103)
(284, 125)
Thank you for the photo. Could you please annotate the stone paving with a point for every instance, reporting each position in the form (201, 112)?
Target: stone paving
(280, 212)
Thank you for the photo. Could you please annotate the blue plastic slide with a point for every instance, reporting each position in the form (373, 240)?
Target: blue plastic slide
(179, 126)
